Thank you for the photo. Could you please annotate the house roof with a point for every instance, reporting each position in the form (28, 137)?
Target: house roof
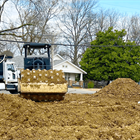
(61, 62)
(57, 55)
(56, 62)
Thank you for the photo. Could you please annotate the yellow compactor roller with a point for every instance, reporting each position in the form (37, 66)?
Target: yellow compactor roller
(38, 81)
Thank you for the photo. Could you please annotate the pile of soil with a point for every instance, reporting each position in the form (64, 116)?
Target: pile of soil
(124, 88)
(113, 113)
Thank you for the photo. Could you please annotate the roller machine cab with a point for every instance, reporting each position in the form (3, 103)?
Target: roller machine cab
(38, 81)
(37, 62)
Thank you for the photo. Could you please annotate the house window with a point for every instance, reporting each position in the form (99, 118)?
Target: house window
(64, 66)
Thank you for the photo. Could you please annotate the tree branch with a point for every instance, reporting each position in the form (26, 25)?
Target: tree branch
(7, 30)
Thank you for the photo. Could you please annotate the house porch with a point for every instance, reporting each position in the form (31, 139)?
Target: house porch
(74, 79)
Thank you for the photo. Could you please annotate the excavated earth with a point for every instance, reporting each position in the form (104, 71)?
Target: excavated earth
(113, 113)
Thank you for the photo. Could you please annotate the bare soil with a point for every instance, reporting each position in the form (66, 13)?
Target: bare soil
(113, 113)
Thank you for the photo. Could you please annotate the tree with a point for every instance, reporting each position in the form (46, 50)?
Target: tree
(32, 23)
(135, 29)
(4, 31)
(119, 59)
(2, 8)
(100, 21)
(39, 14)
(110, 37)
(132, 26)
(74, 24)
(105, 18)
(7, 31)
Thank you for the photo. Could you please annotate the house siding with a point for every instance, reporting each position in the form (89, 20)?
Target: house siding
(66, 67)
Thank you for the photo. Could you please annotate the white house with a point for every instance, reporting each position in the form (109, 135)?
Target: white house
(71, 71)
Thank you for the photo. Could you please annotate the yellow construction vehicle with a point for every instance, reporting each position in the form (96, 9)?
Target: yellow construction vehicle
(37, 80)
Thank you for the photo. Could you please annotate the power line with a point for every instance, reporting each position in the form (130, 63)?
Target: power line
(59, 44)
(35, 42)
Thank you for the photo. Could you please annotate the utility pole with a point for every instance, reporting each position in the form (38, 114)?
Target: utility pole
(52, 51)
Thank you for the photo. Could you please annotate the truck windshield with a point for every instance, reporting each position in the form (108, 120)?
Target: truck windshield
(10, 67)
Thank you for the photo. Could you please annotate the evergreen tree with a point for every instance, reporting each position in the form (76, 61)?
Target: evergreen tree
(111, 57)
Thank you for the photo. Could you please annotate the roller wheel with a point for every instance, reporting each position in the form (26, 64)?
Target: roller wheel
(43, 97)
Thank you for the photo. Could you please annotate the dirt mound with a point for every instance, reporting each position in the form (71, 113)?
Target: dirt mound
(16, 114)
(103, 116)
(124, 88)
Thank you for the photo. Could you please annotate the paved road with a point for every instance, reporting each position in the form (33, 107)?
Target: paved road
(70, 90)
(4, 91)
(80, 91)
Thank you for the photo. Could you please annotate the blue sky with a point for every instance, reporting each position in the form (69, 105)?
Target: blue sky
(129, 7)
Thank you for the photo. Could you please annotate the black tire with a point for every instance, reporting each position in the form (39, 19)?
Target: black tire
(13, 91)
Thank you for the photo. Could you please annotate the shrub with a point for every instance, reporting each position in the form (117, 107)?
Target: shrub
(90, 84)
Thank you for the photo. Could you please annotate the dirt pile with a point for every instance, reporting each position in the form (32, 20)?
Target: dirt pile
(103, 116)
(17, 115)
(124, 88)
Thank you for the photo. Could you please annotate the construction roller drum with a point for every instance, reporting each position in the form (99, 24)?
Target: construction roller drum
(43, 85)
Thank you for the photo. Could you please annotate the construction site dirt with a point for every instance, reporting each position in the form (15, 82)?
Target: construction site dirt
(113, 113)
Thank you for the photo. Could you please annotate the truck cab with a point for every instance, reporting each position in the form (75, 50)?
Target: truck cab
(8, 74)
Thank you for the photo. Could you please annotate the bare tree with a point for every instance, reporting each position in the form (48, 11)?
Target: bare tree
(74, 24)
(7, 31)
(135, 29)
(2, 8)
(38, 14)
(125, 24)
(106, 18)
(132, 27)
